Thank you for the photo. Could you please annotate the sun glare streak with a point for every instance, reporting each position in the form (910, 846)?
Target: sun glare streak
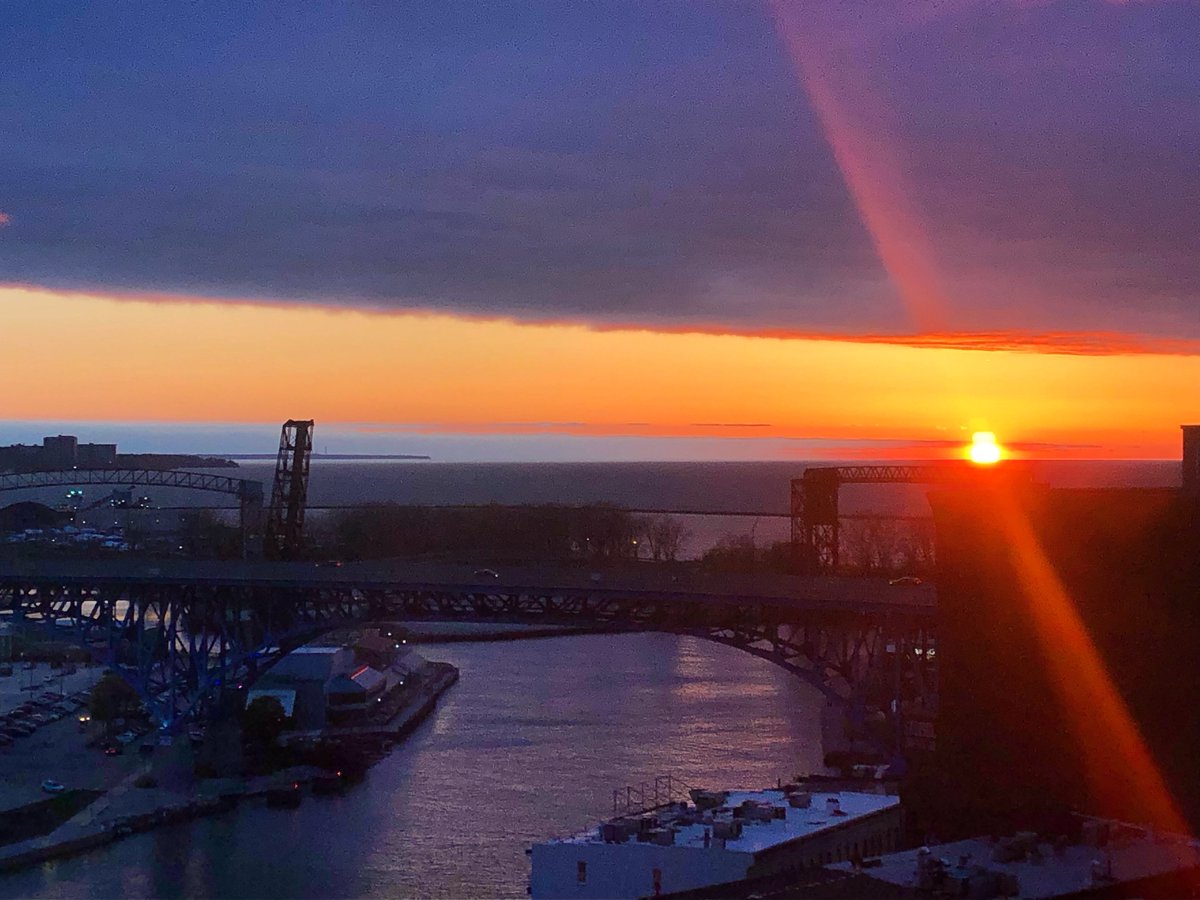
(864, 152)
(1118, 765)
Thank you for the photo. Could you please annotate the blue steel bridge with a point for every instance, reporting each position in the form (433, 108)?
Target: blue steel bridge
(183, 632)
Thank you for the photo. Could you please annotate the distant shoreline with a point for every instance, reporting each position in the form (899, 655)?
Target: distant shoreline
(350, 456)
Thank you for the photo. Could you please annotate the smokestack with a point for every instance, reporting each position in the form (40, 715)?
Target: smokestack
(1191, 461)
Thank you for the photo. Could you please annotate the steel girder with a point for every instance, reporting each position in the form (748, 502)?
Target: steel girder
(815, 531)
(178, 643)
(249, 493)
(198, 481)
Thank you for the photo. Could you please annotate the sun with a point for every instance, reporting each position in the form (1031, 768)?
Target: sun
(984, 450)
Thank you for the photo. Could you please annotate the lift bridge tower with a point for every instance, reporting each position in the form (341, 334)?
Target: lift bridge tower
(284, 537)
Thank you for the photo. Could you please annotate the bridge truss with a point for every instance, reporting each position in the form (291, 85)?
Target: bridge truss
(249, 493)
(284, 536)
(182, 644)
(816, 533)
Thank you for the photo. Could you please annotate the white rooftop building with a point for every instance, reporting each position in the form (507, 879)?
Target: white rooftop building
(1113, 859)
(723, 837)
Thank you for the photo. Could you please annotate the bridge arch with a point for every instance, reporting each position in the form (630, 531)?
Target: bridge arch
(249, 493)
(180, 641)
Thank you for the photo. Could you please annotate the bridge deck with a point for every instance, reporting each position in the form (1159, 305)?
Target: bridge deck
(867, 594)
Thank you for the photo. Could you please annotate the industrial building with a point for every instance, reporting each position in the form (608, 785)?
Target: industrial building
(722, 838)
(322, 685)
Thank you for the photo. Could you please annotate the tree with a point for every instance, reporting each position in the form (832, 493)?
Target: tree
(871, 544)
(263, 721)
(203, 534)
(733, 553)
(665, 535)
(111, 698)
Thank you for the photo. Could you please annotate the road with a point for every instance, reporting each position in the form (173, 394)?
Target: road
(629, 579)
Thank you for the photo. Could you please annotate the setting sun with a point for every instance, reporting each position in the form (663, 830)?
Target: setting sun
(984, 450)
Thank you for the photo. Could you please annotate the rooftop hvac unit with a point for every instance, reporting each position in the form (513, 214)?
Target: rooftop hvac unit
(728, 830)
(800, 800)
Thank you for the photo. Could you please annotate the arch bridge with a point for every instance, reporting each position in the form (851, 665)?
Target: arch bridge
(249, 493)
(181, 638)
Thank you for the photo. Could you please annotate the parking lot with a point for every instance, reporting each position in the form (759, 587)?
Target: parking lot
(24, 683)
(41, 736)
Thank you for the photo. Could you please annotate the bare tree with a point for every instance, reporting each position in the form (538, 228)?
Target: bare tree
(872, 544)
(665, 535)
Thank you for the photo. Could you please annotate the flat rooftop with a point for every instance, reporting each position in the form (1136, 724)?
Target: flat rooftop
(758, 835)
(1132, 854)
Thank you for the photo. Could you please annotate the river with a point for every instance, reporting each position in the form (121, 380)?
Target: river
(529, 744)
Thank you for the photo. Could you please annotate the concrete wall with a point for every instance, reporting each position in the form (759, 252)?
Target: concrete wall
(627, 870)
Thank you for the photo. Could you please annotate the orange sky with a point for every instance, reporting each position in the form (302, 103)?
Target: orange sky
(76, 357)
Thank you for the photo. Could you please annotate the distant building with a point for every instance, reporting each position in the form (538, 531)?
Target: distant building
(305, 673)
(352, 695)
(96, 456)
(330, 687)
(379, 651)
(58, 452)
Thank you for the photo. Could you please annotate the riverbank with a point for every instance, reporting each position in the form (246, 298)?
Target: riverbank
(154, 793)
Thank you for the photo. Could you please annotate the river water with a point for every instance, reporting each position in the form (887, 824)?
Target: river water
(528, 745)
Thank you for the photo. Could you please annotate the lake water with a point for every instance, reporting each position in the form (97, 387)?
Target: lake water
(528, 745)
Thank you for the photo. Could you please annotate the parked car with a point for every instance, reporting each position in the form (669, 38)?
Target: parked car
(487, 573)
(127, 737)
(113, 750)
(330, 564)
(50, 786)
(905, 580)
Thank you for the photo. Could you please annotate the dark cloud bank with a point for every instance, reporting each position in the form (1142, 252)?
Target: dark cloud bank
(648, 164)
